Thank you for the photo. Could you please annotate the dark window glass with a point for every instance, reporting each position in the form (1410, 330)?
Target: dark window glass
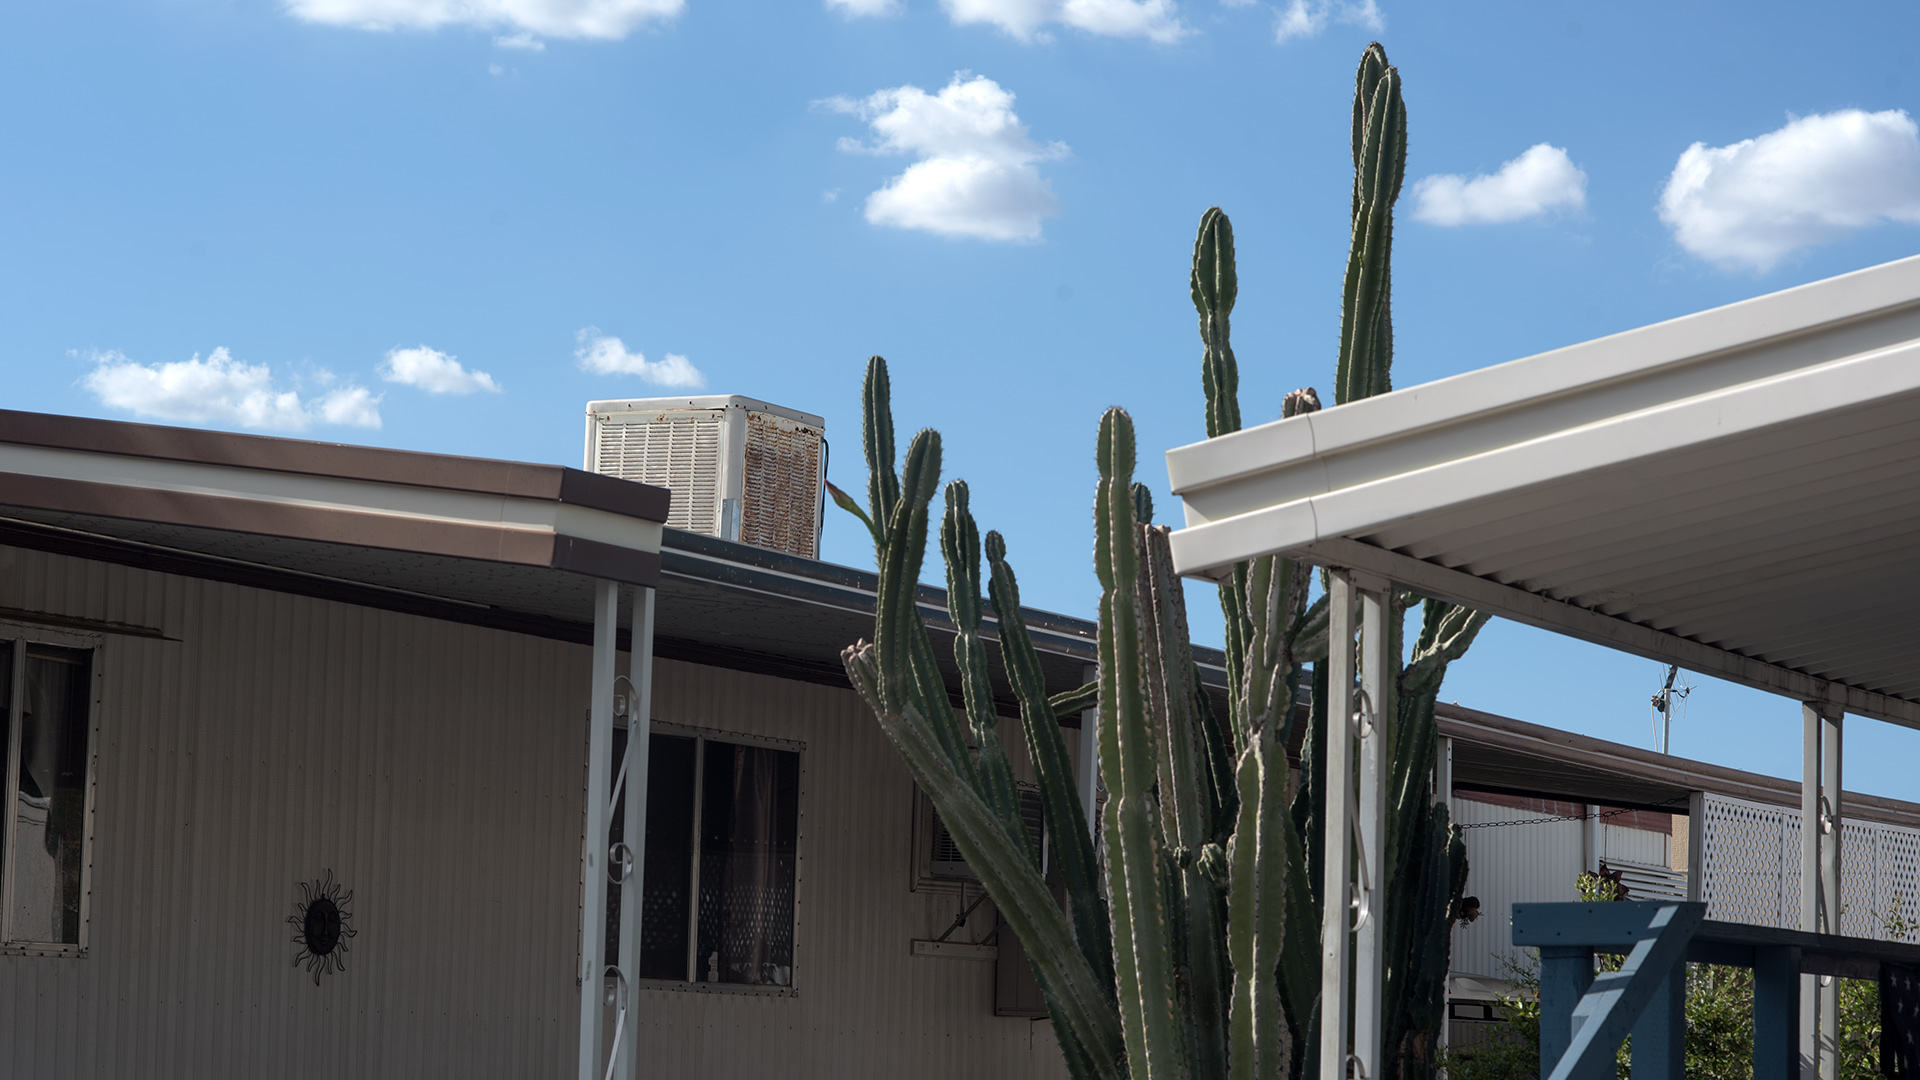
(663, 917)
(49, 824)
(749, 825)
(669, 856)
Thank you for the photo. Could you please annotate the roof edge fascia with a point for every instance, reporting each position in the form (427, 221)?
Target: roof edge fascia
(1648, 354)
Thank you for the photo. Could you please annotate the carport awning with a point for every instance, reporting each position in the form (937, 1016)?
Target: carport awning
(1736, 491)
(433, 532)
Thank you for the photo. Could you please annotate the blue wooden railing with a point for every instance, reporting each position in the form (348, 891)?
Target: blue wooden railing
(1584, 1015)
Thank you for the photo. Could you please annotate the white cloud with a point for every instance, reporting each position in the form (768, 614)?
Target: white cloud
(605, 19)
(523, 40)
(604, 354)
(976, 174)
(1026, 20)
(854, 9)
(222, 390)
(1819, 177)
(1305, 18)
(434, 371)
(1537, 182)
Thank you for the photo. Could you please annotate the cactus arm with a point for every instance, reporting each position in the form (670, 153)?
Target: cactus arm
(1060, 797)
(1137, 864)
(1186, 800)
(960, 550)
(1215, 285)
(876, 436)
(1216, 743)
(1142, 504)
(1365, 356)
(1075, 995)
(1067, 702)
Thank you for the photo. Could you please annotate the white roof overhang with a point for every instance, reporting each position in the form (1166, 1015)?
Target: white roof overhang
(466, 533)
(1736, 491)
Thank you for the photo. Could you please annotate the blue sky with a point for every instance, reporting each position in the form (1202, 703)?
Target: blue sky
(306, 217)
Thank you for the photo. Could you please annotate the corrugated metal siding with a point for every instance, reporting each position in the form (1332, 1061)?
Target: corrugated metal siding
(437, 769)
(433, 768)
(1508, 865)
(1642, 847)
(865, 1007)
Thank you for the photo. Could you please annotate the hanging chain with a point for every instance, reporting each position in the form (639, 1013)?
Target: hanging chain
(1670, 803)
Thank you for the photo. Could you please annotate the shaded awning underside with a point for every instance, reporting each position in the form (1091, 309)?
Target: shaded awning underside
(1737, 491)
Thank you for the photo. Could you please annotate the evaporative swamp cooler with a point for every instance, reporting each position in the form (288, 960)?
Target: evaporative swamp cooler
(738, 468)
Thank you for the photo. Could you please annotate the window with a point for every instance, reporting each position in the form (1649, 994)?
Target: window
(944, 861)
(45, 715)
(722, 858)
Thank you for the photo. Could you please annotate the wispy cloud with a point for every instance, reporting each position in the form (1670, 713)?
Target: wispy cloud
(1031, 20)
(976, 175)
(604, 19)
(1753, 203)
(434, 371)
(1306, 18)
(1539, 181)
(604, 354)
(222, 390)
(522, 41)
(855, 9)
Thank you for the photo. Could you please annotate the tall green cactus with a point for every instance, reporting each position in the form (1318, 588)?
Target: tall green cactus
(1191, 949)
(1425, 859)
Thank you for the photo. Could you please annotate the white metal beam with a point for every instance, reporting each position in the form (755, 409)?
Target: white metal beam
(1810, 883)
(593, 857)
(1521, 606)
(1373, 726)
(1830, 854)
(626, 1049)
(1336, 870)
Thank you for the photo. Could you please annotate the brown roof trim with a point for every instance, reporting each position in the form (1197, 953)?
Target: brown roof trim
(160, 560)
(554, 483)
(334, 525)
(1681, 774)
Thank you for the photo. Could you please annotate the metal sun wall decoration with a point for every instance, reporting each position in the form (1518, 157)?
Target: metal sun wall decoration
(322, 926)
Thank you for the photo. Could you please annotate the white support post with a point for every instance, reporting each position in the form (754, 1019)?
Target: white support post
(1337, 844)
(1090, 759)
(1830, 884)
(1810, 774)
(634, 824)
(1374, 728)
(1590, 837)
(593, 858)
(1696, 846)
(1443, 794)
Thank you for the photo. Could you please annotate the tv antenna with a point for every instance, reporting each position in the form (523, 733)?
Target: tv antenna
(1663, 709)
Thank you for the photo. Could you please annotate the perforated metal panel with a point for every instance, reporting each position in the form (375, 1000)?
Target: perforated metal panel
(1751, 869)
(679, 451)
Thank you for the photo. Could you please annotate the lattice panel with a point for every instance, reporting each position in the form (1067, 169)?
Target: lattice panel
(1751, 870)
(1744, 859)
(677, 451)
(1898, 884)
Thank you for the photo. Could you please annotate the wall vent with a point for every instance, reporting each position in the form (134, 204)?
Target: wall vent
(739, 469)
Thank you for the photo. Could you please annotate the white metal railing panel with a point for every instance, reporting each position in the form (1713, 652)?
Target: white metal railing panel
(1749, 853)
(1750, 869)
